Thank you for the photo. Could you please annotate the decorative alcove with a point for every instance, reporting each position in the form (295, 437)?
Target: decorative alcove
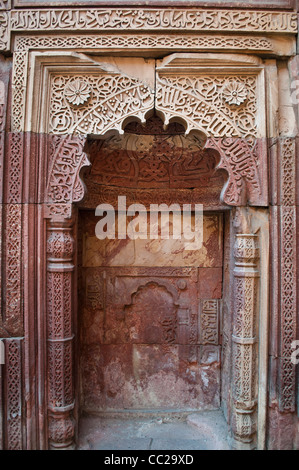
(68, 89)
(149, 310)
(78, 102)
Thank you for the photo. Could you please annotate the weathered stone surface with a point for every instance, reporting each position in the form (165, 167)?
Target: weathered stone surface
(281, 430)
(152, 317)
(285, 4)
(152, 252)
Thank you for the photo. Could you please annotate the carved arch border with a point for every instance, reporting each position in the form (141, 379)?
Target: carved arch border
(243, 152)
(63, 189)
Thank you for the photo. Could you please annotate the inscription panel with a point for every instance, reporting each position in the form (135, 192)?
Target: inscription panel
(153, 19)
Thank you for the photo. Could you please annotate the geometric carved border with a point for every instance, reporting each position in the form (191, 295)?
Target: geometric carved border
(144, 42)
(13, 394)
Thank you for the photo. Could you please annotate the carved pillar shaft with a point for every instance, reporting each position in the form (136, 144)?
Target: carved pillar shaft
(246, 254)
(60, 274)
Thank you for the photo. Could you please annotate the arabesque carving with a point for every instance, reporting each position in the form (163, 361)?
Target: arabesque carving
(244, 336)
(113, 98)
(104, 101)
(19, 83)
(202, 101)
(66, 159)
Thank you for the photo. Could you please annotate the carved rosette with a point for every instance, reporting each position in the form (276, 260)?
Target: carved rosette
(60, 271)
(246, 254)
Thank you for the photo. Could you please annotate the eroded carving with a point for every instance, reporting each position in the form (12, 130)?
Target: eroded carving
(209, 321)
(151, 298)
(154, 19)
(148, 161)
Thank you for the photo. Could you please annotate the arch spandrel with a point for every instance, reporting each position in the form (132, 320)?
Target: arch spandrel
(222, 108)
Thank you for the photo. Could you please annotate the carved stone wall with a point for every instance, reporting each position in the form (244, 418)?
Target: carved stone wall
(168, 357)
(222, 75)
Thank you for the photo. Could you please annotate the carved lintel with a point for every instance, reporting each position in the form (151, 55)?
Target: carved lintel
(244, 338)
(60, 337)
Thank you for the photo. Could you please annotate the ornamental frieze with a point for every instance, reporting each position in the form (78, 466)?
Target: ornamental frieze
(221, 106)
(182, 21)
